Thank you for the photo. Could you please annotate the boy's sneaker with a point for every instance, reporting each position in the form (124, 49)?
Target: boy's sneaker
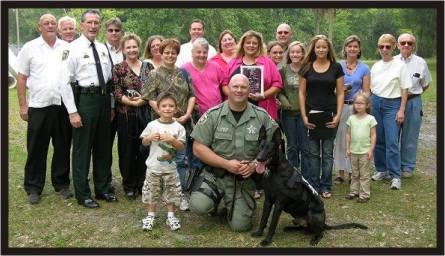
(396, 183)
(380, 175)
(148, 222)
(184, 204)
(173, 223)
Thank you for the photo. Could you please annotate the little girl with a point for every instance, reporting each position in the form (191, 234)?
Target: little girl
(360, 143)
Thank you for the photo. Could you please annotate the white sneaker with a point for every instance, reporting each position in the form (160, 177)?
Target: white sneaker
(396, 183)
(184, 204)
(380, 175)
(148, 222)
(173, 223)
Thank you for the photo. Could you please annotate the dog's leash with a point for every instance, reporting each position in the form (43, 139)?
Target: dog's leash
(251, 206)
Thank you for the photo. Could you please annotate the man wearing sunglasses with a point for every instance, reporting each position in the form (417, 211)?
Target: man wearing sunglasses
(113, 34)
(284, 36)
(420, 79)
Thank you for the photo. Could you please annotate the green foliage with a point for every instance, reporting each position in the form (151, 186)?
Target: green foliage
(368, 24)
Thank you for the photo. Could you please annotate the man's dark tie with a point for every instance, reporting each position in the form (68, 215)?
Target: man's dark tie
(100, 74)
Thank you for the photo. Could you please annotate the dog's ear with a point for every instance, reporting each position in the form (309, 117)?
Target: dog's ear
(262, 135)
(276, 137)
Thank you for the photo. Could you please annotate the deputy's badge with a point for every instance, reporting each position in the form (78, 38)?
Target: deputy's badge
(203, 119)
(251, 129)
(85, 55)
(65, 54)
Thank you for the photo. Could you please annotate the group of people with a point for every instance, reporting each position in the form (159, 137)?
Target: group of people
(177, 107)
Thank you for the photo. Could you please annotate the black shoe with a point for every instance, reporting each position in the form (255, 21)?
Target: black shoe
(130, 196)
(88, 203)
(107, 197)
(111, 189)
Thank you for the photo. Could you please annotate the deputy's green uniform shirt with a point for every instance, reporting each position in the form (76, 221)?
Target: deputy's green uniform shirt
(218, 130)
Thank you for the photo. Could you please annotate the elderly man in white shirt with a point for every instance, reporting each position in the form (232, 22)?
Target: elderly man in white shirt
(420, 79)
(196, 30)
(38, 64)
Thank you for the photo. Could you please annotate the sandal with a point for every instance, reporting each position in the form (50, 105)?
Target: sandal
(326, 195)
(339, 180)
(362, 199)
(351, 196)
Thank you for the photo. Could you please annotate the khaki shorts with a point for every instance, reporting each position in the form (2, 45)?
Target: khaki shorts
(161, 185)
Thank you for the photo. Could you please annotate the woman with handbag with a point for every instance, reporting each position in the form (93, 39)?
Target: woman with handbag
(128, 78)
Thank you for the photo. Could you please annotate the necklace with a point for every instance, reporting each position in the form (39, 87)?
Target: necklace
(350, 67)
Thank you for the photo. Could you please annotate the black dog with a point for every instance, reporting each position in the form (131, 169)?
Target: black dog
(287, 190)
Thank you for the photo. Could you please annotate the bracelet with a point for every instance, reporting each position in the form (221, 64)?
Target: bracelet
(72, 114)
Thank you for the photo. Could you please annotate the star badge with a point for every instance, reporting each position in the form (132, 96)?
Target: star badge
(251, 129)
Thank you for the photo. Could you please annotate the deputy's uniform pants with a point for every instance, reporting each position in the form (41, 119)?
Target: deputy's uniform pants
(244, 205)
(93, 138)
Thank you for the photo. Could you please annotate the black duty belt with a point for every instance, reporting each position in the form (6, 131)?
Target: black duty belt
(349, 102)
(93, 90)
(412, 96)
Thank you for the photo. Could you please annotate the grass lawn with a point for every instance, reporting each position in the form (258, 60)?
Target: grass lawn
(405, 218)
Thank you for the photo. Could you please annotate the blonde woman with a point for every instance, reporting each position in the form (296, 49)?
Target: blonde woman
(390, 82)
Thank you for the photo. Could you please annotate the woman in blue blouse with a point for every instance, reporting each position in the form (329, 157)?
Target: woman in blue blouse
(357, 73)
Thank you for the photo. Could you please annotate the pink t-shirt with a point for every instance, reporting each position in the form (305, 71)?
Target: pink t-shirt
(207, 85)
(271, 78)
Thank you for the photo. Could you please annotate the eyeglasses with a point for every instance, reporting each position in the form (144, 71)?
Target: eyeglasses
(359, 103)
(388, 47)
(283, 32)
(110, 30)
(406, 43)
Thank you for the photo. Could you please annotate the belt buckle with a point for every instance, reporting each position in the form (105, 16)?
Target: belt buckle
(103, 90)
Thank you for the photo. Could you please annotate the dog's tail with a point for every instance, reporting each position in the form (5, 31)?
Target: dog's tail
(345, 226)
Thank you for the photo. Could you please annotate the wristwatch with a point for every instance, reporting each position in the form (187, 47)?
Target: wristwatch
(256, 163)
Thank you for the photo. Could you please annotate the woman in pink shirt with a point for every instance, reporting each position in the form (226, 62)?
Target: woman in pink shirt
(226, 49)
(207, 76)
(250, 52)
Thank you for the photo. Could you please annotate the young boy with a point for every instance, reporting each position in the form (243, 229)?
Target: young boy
(165, 137)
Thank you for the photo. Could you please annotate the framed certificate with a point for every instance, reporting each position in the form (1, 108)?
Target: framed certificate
(255, 74)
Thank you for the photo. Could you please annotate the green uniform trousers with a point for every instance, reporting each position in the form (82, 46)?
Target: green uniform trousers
(93, 138)
(244, 205)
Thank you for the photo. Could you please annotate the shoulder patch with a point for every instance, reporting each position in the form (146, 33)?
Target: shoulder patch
(65, 54)
(255, 107)
(273, 121)
(202, 119)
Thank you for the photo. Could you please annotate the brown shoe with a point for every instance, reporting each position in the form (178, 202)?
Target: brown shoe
(351, 196)
(362, 199)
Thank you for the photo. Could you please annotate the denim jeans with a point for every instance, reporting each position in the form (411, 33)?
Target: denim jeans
(410, 134)
(321, 157)
(297, 141)
(386, 151)
(193, 161)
